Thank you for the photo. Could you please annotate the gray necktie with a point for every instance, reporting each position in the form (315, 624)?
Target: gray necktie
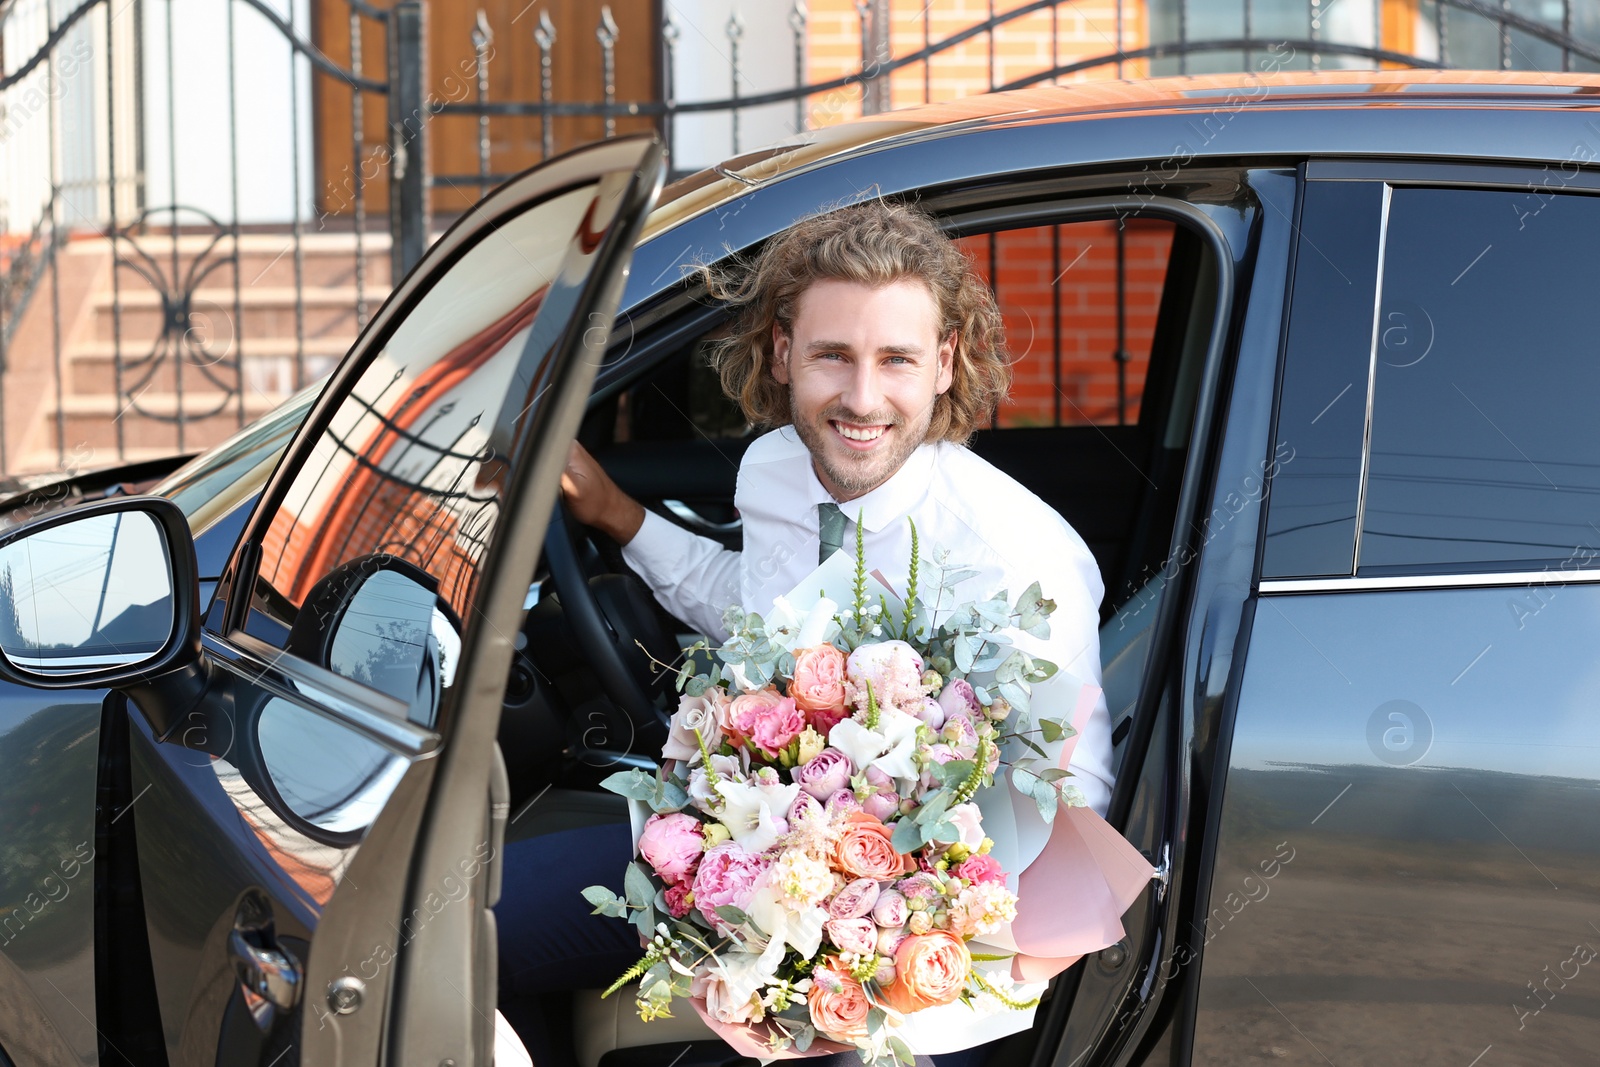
(830, 523)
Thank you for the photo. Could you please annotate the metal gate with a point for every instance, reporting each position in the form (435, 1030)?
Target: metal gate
(203, 327)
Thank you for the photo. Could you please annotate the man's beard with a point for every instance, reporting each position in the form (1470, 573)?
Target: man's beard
(858, 474)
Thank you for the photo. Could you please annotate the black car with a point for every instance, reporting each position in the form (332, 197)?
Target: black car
(1308, 361)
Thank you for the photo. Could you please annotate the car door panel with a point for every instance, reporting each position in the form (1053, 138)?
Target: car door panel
(278, 816)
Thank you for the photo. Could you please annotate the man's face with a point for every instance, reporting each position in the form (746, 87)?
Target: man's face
(863, 368)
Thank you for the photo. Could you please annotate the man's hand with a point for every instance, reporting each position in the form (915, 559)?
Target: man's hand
(596, 500)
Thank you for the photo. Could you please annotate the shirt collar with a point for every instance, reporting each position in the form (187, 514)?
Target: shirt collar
(888, 503)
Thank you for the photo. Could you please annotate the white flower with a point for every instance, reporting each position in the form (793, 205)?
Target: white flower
(755, 812)
(801, 881)
(732, 987)
(799, 928)
(701, 794)
(790, 627)
(889, 747)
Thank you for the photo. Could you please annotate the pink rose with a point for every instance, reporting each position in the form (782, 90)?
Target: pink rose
(701, 713)
(882, 806)
(774, 727)
(889, 910)
(853, 935)
(930, 969)
(981, 870)
(825, 775)
(931, 712)
(879, 780)
(678, 900)
(959, 733)
(818, 683)
(841, 804)
(727, 875)
(855, 900)
(969, 822)
(672, 845)
(957, 695)
(739, 718)
(805, 809)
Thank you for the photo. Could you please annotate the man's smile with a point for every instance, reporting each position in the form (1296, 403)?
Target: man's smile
(858, 435)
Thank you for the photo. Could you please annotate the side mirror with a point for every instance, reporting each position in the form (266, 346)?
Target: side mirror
(102, 595)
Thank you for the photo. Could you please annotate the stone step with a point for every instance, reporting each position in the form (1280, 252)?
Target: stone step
(329, 313)
(268, 362)
(263, 260)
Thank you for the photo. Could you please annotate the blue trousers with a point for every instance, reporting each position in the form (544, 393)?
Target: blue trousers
(550, 943)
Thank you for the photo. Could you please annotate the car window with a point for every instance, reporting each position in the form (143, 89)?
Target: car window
(1483, 452)
(1080, 339)
(398, 479)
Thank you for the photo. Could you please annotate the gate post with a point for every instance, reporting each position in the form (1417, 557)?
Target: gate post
(408, 155)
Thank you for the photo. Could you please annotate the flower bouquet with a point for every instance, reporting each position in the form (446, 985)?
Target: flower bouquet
(816, 871)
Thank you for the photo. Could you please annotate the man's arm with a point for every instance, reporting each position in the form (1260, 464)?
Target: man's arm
(693, 577)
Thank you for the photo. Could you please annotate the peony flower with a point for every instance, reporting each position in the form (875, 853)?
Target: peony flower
(864, 850)
(885, 971)
(931, 712)
(854, 935)
(824, 776)
(678, 900)
(982, 909)
(930, 969)
(892, 668)
(672, 845)
(882, 805)
(727, 875)
(818, 682)
(703, 713)
(957, 695)
(981, 870)
(752, 812)
(855, 900)
(890, 909)
(920, 922)
(878, 780)
(838, 1005)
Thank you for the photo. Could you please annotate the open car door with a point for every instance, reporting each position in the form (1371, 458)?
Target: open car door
(310, 800)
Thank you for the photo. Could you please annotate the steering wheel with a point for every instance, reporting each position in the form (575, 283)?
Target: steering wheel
(610, 617)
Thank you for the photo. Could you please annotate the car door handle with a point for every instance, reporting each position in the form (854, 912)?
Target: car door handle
(269, 975)
(696, 521)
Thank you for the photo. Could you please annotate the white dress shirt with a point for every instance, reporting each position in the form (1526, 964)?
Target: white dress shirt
(988, 521)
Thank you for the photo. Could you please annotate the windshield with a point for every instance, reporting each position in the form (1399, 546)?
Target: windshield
(213, 484)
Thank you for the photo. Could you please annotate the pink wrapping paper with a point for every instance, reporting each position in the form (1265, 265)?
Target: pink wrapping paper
(1072, 897)
(750, 1041)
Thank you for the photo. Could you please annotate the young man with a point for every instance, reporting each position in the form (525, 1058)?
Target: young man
(864, 338)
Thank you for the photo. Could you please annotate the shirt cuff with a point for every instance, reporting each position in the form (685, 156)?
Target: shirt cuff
(658, 549)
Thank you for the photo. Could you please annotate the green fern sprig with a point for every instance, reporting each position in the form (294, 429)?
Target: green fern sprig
(861, 579)
(655, 955)
(969, 785)
(872, 709)
(911, 584)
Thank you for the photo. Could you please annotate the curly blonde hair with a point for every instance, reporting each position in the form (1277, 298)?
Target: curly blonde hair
(873, 242)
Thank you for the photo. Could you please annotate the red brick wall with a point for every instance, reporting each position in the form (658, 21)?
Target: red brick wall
(1088, 336)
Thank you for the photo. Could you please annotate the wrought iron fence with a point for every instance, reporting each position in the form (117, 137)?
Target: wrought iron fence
(92, 149)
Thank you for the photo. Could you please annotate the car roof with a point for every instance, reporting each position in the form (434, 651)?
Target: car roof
(1327, 91)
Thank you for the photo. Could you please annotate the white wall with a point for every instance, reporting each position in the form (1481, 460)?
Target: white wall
(702, 71)
(199, 94)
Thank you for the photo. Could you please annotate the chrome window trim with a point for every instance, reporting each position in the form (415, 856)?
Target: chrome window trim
(1549, 576)
(1372, 380)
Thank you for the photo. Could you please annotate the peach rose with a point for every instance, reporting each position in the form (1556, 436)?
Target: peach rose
(838, 1005)
(864, 850)
(743, 711)
(818, 684)
(930, 969)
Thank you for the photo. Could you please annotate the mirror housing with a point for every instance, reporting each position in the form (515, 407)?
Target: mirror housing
(69, 537)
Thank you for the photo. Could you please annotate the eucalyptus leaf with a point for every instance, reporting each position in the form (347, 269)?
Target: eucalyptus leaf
(633, 784)
(1055, 774)
(803, 1037)
(965, 652)
(1023, 779)
(641, 892)
(605, 901)
(955, 771)
(1046, 797)
(908, 836)
(1052, 729)
(902, 1052)
(1015, 695)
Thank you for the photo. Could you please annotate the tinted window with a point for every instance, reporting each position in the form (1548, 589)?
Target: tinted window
(1484, 452)
(1311, 522)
